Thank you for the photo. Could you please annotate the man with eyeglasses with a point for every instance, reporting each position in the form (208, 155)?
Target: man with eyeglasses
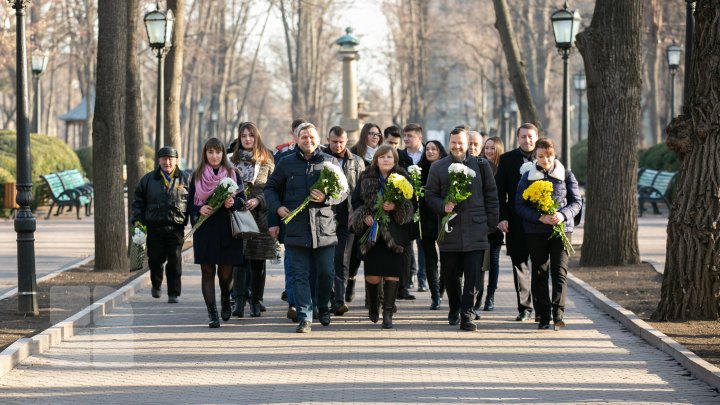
(310, 236)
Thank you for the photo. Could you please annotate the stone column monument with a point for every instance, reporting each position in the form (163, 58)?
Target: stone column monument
(348, 54)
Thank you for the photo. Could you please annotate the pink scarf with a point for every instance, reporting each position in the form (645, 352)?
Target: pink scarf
(208, 181)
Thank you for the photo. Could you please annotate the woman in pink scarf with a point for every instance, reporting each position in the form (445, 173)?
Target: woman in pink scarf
(214, 247)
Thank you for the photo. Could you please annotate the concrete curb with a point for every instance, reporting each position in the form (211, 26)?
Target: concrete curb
(698, 367)
(49, 276)
(56, 334)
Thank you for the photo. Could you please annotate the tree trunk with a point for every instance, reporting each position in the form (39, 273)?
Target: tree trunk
(611, 50)
(173, 76)
(518, 77)
(655, 22)
(108, 125)
(134, 145)
(691, 286)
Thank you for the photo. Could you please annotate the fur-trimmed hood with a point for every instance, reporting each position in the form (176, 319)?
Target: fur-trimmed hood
(396, 235)
(535, 172)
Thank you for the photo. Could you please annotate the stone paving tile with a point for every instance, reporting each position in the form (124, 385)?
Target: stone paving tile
(153, 352)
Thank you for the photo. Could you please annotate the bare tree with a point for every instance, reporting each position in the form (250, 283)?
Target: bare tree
(108, 125)
(691, 285)
(134, 145)
(611, 50)
(173, 76)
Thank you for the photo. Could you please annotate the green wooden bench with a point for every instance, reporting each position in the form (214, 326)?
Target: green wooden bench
(654, 186)
(61, 196)
(73, 179)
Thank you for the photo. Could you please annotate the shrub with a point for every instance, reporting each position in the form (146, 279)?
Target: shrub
(659, 157)
(86, 159)
(48, 155)
(578, 154)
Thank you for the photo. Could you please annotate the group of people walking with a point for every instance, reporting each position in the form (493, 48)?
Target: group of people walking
(457, 231)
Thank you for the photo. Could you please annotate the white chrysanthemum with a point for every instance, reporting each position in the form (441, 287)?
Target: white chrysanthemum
(415, 169)
(139, 237)
(342, 180)
(461, 168)
(230, 184)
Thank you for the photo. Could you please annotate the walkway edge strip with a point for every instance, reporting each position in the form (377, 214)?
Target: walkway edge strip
(698, 367)
(64, 330)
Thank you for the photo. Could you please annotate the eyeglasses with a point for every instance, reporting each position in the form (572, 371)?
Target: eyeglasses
(374, 134)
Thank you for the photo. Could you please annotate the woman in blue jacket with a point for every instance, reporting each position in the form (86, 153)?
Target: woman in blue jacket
(548, 255)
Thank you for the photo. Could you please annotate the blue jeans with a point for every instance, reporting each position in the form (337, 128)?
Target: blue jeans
(288, 277)
(300, 269)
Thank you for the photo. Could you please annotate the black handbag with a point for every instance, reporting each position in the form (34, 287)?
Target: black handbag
(242, 224)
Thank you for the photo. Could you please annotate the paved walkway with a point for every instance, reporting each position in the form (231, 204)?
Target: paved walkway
(58, 243)
(153, 352)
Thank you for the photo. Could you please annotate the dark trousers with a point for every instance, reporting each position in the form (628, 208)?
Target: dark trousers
(549, 259)
(346, 257)
(521, 277)
(165, 245)
(453, 267)
(431, 266)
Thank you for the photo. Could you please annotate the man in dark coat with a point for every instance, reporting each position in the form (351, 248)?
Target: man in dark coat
(466, 236)
(508, 176)
(310, 236)
(346, 249)
(159, 204)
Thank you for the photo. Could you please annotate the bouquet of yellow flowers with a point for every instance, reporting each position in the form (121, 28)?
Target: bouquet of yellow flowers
(397, 190)
(332, 182)
(460, 177)
(416, 180)
(539, 193)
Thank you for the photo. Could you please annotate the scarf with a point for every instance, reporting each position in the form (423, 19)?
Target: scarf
(246, 166)
(167, 177)
(369, 153)
(206, 183)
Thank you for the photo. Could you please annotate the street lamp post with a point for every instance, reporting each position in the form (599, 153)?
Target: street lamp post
(507, 130)
(38, 64)
(673, 53)
(580, 84)
(24, 221)
(512, 123)
(159, 26)
(200, 144)
(213, 123)
(566, 24)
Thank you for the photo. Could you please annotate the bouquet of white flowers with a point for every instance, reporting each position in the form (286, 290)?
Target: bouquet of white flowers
(332, 182)
(226, 188)
(416, 180)
(460, 178)
(136, 254)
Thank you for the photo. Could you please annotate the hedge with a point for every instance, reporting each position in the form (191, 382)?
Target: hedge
(659, 157)
(86, 159)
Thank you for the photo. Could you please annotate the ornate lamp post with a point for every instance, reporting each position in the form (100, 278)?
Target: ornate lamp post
(348, 54)
(673, 53)
(38, 63)
(566, 24)
(580, 85)
(159, 26)
(24, 221)
(213, 124)
(512, 124)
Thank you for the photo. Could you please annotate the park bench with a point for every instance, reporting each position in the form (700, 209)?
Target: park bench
(654, 186)
(61, 196)
(73, 179)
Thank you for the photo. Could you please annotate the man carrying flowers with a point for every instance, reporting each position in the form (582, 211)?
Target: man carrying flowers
(159, 203)
(467, 200)
(310, 234)
(547, 200)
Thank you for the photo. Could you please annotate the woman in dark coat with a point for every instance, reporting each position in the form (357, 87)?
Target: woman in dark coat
(384, 257)
(214, 247)
(255, 163)
(433, 151)
(548, 256)
(370, 139)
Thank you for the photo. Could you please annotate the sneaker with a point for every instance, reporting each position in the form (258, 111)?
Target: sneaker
(155, 292)
(173, 299)
(304, 327)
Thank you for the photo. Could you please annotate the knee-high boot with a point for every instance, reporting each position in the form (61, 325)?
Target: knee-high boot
(391, 290)
(373, 299)
(240, 287)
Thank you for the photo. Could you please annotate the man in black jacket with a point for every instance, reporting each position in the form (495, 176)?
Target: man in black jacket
(508, 176)
(159, 203)
(310, 236)
(346, 250)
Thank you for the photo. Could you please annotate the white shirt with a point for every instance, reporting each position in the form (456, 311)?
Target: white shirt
(415, 156)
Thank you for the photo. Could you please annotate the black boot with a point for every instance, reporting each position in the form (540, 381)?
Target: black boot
(391, 290)
(213, 316)
(240, 288)
(225, 308)
(373, 299)
(257, 286)
(350, 290)
(489, 301)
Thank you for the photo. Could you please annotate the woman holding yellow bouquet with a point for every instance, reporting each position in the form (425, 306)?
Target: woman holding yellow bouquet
(548, 196)
(387, 239)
